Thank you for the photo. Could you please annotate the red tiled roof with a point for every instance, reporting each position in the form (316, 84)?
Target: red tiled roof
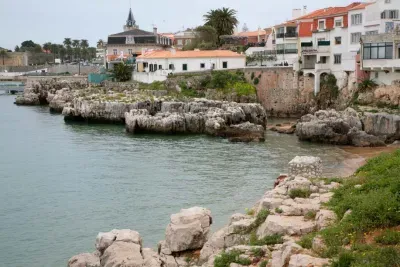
(360, 6)
(251, 34)
(190, 54)
(305, 29)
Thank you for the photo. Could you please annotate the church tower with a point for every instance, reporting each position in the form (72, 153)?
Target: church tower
(130, 22)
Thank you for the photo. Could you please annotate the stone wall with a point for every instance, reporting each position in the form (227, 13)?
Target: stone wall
(31, 80)
(281, 91)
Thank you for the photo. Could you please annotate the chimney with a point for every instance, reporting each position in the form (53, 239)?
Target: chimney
(155, 30)
(296, 13)
(304, 10)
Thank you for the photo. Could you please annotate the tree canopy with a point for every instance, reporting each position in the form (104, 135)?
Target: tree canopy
(223, 20)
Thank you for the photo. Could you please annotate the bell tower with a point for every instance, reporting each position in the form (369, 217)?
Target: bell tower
(130, 22)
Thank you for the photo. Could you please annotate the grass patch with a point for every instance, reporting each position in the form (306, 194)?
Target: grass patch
(258, 252)
(268, 240)
(278, 210)
(226, 258)
(375, 205)
(250, 212)
(389, 237)
(310, 215)
(300, 193)
(263, 263)
(306, 240)
(261, 217)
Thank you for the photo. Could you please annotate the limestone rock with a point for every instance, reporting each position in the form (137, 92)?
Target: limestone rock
(61, 99)
(318, 244)
(238, 217)
(188, 229)
(362, 139)
(151, 258)
(324, 218)
(286, 225)
(104, 240)
(301, 260)
(307, 167)
(122, 254)
(244, 132)
(84, 260)
(383, 125)
(328, 126)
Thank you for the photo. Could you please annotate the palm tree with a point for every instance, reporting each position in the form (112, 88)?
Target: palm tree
(100, 43)
(62, 51)
(76, 44)
(47, 46)
(223, 20)
(84, 43)
(68, 43)
(122, 72)
(3, 54)
(92, 52)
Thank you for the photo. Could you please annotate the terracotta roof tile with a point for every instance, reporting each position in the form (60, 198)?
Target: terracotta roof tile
(190, 54)
(252, 33)
(305, 29)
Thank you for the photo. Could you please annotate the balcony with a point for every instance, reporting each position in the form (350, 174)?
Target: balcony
(291, 35)
(321, 66)
(280, 35)
(324, 43)
(290, 51)
(381, 64)
(321, 50)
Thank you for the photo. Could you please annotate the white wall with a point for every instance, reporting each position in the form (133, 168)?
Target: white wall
(385, 78)
(193, 64)
(354, 47)
(149, 77)
(373, 14)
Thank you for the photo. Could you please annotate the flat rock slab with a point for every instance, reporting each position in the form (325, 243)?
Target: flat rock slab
(286, 225)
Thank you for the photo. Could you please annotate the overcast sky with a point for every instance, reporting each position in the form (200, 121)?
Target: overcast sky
(53, 20)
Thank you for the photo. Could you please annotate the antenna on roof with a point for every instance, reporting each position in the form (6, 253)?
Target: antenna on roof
(130, 3)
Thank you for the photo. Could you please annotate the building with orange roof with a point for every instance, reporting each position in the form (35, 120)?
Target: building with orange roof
(157, 65)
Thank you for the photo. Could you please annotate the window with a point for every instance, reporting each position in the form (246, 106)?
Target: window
(202, 65)
(130, 51)
(160, 67)
(155, 67)
(371, 33)
(188, 41)
(338, 23)
(321, 25)
(115, 52)
(376, 75)
(378, 51)
(338, 40)
(338, 58)
(184, 67)
(390, 14)
(224, 64)
(355, 37)
(356, 19)
(180, 42)
(320, 39)
(171, 67)
(290, 48)
(280, 48)
(387, 1)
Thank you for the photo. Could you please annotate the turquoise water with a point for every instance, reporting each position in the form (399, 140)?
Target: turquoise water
(62, 183)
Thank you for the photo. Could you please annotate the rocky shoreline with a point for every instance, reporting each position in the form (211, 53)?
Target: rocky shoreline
(151, 111)
(282, 214)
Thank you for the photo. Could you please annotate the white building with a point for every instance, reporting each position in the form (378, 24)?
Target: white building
(380, 55)
(156, 65)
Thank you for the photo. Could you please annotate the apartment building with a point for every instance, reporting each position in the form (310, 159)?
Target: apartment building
(380, 41)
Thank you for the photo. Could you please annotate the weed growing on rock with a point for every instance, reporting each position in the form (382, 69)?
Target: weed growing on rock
(306, 240)
(256, 81)
(310, 215)
(268, 240)
(226, 258)
(258, 252)
(250, 212)
(261, 217)
(278, 210)
(264, 263)
(300, 193)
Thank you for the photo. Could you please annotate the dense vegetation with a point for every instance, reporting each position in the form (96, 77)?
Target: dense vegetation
(374, 204)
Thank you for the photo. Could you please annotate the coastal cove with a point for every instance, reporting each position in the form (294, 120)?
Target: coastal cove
(68, 182)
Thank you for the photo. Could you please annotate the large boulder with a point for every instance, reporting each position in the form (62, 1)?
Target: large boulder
(285, 225)
(328, 126)
(122, 254)
(302, 260)
(188, 230)
(244, 132)
(362, 139)
(104, 240)
(85, 260)
(325, 218)
(61, 99)
(308, 167)
(383, 125)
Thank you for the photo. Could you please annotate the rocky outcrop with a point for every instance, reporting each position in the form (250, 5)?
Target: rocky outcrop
(383, 125)
(238, 122)
(345, 128)
(308, 167)
(302, 260)
(85, 260)
(61, 99)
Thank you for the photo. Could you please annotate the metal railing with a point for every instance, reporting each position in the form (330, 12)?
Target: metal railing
(291, 34)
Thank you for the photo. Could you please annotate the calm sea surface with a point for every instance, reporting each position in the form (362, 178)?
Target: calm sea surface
(62, 183)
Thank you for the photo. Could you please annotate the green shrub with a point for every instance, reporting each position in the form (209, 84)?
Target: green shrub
(389, 237)
(345, 260)
(300, 193)
(306, 240)
(261, 217)
(226, 258)
(263, 263)
(256, 81)
(156, 85)
(243, 89)
(222, 79)
(367, 84)
(268, 240)
(258, 252)
(310, 215)
(250, 212)
(278, 210)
